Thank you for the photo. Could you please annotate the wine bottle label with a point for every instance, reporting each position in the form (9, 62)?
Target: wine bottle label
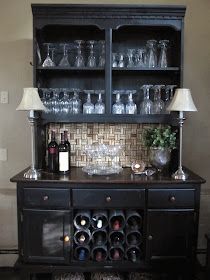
(63, 161)
(52, 150)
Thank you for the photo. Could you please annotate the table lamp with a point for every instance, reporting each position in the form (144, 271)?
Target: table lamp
(181, 102)
(31, 102)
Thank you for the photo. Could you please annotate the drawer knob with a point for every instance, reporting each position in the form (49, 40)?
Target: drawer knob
(150, 237)
(66, 238)
(108, 198)
(172, 198)
(45, 197)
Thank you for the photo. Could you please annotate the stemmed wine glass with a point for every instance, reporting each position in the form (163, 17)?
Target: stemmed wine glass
(118, 107)
(45, 98)
(152, 53)
(65, 105)
(146, 106)
(169, 93)
(140, 58)
(79, 60)
(114, 60)
(55, 102)
(48, 62)
(91, 62)
(130, 106)
(121, 62)
(101, 62)
(163, 61)
(99, 106)
(75, 102)
(158, 102)
(130, 53)
(64, 60)
(88, 106)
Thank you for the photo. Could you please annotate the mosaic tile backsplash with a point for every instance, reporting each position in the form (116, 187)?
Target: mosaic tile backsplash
(130, 136)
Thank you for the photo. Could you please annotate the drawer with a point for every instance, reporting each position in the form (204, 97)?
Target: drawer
(46, 198)
(171, 198)
(105, 198)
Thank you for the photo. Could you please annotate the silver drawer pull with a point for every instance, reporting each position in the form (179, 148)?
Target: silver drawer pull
(172, 198)
(150, 237)
(108, 198)
(45, 197)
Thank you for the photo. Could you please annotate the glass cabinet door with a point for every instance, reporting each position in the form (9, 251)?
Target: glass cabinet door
(46, 236)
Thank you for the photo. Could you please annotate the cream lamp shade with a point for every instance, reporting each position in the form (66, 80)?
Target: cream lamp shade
(182, 101)
(31, 101)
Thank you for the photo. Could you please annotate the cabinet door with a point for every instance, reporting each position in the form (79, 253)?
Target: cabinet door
(169, 234)
(46, 236)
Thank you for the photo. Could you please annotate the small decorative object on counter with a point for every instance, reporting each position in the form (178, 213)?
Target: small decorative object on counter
(138, 166)
(160, 141)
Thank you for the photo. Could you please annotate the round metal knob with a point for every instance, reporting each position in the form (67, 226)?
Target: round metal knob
(108, 198)
(150, 237)
(172, 198)
(66, 238)
(45, 197)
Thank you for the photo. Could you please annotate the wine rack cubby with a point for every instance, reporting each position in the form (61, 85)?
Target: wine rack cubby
(108, 235)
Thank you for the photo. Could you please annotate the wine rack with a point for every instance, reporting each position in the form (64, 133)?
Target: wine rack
(108, 235)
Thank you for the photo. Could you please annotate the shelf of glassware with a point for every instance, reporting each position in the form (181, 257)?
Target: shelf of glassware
(109, 118)
(71, 68)
(146, 69)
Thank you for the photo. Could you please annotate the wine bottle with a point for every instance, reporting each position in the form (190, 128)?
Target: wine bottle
(116, 237)
(82, 237)
(133, 219)
(63, 156)
(66, 141)
(52, 154)
(133, 253)
(99, 219)
(116, 219)
(116, 253)
(99, 237)
(82, 219)
(99, 253)
(133, 237)
(82, 253)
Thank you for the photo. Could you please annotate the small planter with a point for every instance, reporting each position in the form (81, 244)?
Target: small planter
(159, 157)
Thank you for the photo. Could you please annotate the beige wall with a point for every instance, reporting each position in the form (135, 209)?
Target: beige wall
(16, 73)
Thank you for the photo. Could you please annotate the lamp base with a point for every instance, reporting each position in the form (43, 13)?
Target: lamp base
(32, 173)
(180, 175)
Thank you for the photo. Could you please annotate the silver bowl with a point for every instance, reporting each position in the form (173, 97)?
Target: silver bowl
(159, 157)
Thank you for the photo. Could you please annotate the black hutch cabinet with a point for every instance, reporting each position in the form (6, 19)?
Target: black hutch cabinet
(164, 212)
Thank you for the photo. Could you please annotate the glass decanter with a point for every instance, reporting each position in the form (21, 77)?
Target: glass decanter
(99, 106)
(146, 106)
(91, 62)
(130, 106)
(152, 53)
(158, 104)
(101, 62)
(163, 61)
(79, 60)
(88, 106)
(75, 102)
(64, 62)
(118, 107)
(48, 62)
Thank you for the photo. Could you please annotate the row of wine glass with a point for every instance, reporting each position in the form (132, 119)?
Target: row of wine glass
(61, 100)
(80, 59)
(142, 57)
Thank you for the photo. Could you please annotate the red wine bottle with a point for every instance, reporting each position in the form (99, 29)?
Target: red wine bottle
(52, 154)
(66, 141)
(63, 156)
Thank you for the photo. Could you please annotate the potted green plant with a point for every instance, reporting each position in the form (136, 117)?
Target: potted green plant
(160, 141)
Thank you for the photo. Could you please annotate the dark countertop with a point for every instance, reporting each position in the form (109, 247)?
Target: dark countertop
(126, 176)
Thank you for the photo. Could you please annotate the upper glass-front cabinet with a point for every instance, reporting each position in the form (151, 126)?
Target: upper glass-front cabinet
(107, 63)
